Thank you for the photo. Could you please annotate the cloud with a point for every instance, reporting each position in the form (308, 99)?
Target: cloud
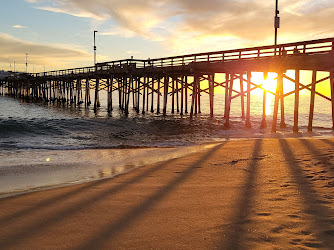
(62, 55)
(73, 13)
(18, 26)
(192, 24)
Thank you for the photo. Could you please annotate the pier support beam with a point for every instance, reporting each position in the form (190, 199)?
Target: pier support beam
(96, 101)
(296, 108)
(166, 83)
(158, 95)
(138, 95)
(227, 81)
(79, 91)
(196, 92)
(147, 92)
(128, 91)
(173, 92)
(177, 95)
(144, 94)
(264, 104)
(248, 124)
(242, 96)
(228, 108)
(277, 98)
(211, 92)
(281, 88)
(194, 97)
(310, 120)
(182, 94)
(263, 122)
(110, 88)
(332, 95)
(152, 95)
(199, 95)
(186, 95)
(119, 88)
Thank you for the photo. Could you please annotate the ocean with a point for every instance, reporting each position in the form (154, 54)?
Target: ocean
(43, 146)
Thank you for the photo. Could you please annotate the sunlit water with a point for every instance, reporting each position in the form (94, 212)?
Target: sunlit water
(45, 145)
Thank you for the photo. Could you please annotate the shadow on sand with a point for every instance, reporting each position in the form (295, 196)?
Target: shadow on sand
(109, 232)
(311, 200)
(236, 232)
(114, 228)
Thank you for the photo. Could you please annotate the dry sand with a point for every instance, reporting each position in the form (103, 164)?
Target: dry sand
(252, 194)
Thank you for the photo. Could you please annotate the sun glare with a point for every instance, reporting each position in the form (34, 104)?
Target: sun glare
(267, 83)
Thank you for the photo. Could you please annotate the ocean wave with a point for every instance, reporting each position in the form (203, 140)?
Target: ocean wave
(12, 127)
(30, 126)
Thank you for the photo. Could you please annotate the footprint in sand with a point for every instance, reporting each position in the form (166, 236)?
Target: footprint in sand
(329, 184)
(277, 199)
(263, 214)
(324, 202)
(295, 242)
(278, 229)
(305, 232)
(293, 216)
(313, 244)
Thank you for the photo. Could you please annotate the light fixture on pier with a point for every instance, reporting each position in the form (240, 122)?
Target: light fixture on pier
(26, 62)
(95, 31)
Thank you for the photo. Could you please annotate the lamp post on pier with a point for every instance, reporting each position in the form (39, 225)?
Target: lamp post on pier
(97, 100)
(95, 31)
(277, 24)
(26, 62)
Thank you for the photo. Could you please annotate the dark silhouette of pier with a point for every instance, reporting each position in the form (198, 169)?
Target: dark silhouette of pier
(141, 83)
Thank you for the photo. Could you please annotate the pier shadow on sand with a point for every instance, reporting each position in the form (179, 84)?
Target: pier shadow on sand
(16, 238)
(112, 230)
(65, 213)
(236, 231)
(321, 227)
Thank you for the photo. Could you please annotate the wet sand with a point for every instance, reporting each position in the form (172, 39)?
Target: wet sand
(253, 194)
(29, 171)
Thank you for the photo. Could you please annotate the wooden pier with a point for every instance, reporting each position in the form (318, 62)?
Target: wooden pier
(142, 84)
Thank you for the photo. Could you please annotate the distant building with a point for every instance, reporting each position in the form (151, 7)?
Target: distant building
(4, 74)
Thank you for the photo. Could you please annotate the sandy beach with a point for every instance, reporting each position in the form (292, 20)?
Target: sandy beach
(248, 194)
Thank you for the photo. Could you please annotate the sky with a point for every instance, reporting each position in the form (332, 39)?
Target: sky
(58, 34)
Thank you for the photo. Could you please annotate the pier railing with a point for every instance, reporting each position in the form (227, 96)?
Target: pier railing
(289, 49)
